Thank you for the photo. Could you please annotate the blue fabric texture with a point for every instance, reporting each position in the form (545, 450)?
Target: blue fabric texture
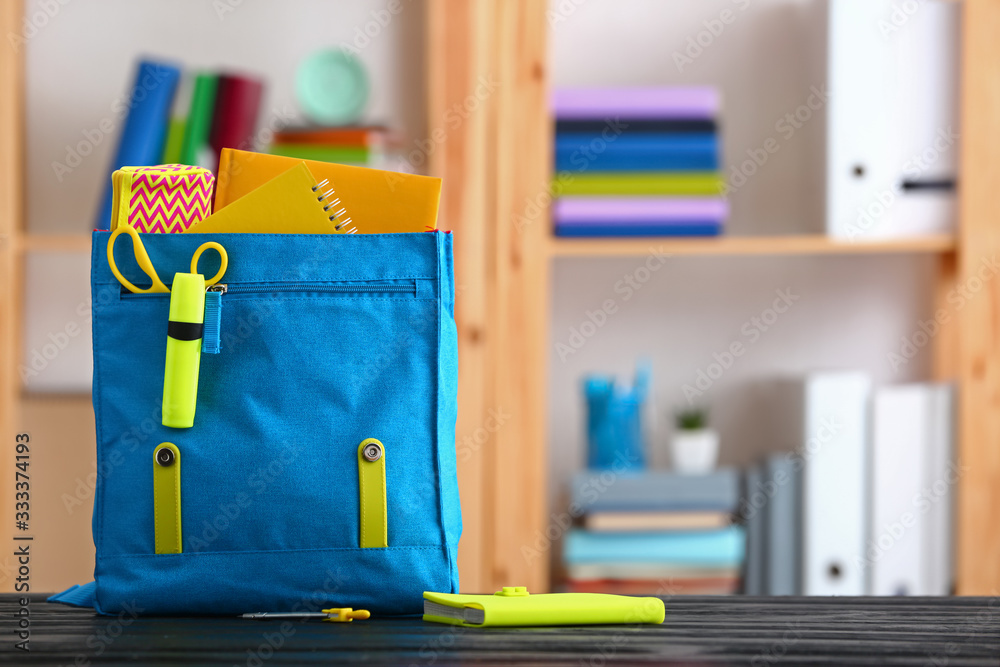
(326, 341)
(76, 596)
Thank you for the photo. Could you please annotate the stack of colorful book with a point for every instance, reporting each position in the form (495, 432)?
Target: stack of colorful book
(656, 534)
(637, 162)
(177, 117)
(357, 145)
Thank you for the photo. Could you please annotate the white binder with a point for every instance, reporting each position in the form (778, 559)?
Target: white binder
(834, 485)
(943, 476)
(892, 118)
(900, 445)
(910, 540)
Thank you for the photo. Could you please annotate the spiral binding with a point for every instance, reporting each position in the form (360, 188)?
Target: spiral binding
(345, 226)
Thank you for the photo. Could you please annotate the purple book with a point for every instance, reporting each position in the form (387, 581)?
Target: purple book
(661, 102)
(639, 210)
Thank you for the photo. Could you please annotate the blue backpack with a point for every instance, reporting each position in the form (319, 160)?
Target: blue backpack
(329, 410)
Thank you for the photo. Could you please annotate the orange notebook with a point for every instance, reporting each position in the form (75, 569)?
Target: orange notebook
(290, 203)
(379, 202)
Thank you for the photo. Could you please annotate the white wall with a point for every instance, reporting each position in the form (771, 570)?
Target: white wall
(851, 312)
(81, 60)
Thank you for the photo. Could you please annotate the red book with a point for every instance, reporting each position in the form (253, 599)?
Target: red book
(669, 586)
(237, 103)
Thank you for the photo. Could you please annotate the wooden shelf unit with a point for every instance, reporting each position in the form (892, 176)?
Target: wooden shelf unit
(497, 160)
(746, 246)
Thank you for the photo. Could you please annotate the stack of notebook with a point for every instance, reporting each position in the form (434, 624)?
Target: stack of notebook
(357, 145)
(637, 162)
(656, 534)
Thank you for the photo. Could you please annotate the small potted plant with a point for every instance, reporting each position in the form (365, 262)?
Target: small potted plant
(694, 448)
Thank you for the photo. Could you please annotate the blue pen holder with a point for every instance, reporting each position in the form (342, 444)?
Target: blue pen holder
(614, 423)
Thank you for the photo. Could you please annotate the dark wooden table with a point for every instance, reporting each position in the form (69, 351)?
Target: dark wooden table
(935, 632)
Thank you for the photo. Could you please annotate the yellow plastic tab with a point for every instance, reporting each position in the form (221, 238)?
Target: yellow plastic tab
(371, 494)
(346, 615)
(167, 498)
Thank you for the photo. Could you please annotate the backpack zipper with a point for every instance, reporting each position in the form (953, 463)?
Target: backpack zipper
(275, 288)
(211, 340)
(310, 287)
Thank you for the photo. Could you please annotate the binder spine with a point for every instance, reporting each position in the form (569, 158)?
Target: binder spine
(339, 216)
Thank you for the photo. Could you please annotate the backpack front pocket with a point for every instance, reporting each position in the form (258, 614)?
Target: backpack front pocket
(305, 373)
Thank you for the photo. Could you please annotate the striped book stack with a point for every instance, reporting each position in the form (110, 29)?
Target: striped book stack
(362, 146)
(637, 162)
(655, 533)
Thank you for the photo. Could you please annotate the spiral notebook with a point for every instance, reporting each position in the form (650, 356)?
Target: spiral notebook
(292, 203)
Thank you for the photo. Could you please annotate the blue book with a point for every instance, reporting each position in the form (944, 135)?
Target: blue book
(653, 142)
(717, 491)
(784, 535)
(697, 228)
(705, 548)
(145, 130)
(754, 509)
(576, 152)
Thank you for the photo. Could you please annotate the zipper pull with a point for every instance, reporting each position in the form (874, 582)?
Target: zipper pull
(211, 342)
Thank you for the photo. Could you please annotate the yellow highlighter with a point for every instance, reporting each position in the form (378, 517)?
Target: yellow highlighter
(184, 334)
(514, 606)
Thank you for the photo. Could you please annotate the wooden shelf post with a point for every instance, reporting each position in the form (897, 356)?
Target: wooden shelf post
(978, 516)
(488, 124)
(11, 265)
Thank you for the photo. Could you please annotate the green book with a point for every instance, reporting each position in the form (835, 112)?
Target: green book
(199, 121)
(339, 154)
(639, 183)
(172, 146)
